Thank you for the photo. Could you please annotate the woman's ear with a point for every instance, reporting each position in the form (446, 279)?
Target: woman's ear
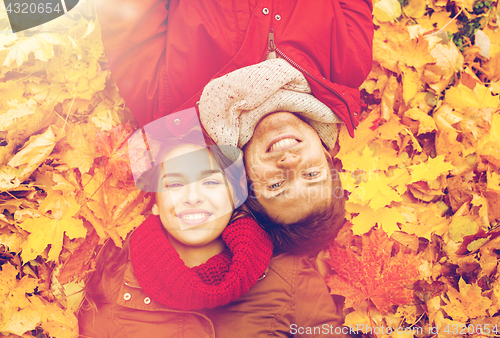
(244, 190)
(155, 210)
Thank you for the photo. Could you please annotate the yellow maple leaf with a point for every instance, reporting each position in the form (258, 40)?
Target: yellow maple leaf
(463, 97)
(427, 123)
(415, 8)
(16, 111)
(367, 218)
(389, 131)
(462, 226)
(423, 219)
(411, 83)
(493, 181)
(104, 117)
(56, 321)
(364, 135)
(489, 146)
(387, 10)
(391, 45)
(447, 61)
(466, 304)
(439, 20)
(16, 316)
(365, 161)
(40, 44)
(430, 170)
(82, 153)
(44, 231)
(374, 189)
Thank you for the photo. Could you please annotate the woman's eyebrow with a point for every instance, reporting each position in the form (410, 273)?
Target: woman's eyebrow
(172, 175)
(211, 172)
(202, 173)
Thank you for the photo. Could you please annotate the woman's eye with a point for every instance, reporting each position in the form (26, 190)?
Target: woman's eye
(312, 174)
(211, 182)
(275, 185)
(174, 185)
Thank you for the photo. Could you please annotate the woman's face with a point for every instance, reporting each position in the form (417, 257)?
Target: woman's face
(195, 206)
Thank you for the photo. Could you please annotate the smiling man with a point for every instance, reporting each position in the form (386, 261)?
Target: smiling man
(286, 134)
(288, 167)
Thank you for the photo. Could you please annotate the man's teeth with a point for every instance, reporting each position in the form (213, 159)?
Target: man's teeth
(283, 143)
(193, 217)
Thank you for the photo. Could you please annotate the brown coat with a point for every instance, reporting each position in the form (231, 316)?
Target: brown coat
(290, 292)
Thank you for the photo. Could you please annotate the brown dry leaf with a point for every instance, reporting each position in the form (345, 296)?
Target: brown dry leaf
(35, 151)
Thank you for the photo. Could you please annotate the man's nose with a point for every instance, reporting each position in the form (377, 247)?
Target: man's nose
(288, 161)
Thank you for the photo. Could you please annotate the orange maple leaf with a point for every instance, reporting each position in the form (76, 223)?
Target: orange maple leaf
(113, 146)
(374, 274)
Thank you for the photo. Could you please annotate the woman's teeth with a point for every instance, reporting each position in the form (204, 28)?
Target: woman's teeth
(283, 143)
(193, 217)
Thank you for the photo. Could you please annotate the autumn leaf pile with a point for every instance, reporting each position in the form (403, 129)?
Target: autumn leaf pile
(421, 245)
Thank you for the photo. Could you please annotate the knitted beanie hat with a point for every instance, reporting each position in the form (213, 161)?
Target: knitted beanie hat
(231, 106)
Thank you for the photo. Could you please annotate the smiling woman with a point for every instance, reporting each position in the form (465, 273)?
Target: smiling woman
(196, 260)
(194, 205)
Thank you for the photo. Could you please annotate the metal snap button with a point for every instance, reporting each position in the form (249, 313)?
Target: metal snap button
(127, 296)
(278, 17)
(147, 300)
(177, 121)
(265, 11)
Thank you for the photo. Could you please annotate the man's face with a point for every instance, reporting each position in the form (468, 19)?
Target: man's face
(286, 162)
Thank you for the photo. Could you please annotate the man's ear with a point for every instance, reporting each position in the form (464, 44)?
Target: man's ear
(155, 210)
(328, 155)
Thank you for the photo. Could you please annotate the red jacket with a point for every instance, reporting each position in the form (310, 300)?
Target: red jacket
(162, 53)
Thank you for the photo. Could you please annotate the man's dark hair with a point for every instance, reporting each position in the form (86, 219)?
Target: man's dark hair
(311, 233)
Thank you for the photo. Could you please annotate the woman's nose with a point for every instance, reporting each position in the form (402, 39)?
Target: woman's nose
(288, 161)
(193, 194)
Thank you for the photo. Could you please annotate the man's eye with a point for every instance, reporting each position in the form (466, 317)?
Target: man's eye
(312, 174)
(275, 185)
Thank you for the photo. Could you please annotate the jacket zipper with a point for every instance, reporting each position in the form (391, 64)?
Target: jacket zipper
(271, 47)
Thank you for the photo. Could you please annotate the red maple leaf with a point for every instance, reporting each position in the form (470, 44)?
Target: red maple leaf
(113, 146)
(374, 274)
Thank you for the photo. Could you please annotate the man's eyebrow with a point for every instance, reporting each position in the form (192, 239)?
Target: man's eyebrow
(312, 184)
(278, 195)
(308, 184)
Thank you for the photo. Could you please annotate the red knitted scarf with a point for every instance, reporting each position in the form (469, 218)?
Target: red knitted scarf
(165, 278)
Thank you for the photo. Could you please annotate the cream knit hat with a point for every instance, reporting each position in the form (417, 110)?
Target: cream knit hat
(231, 106)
